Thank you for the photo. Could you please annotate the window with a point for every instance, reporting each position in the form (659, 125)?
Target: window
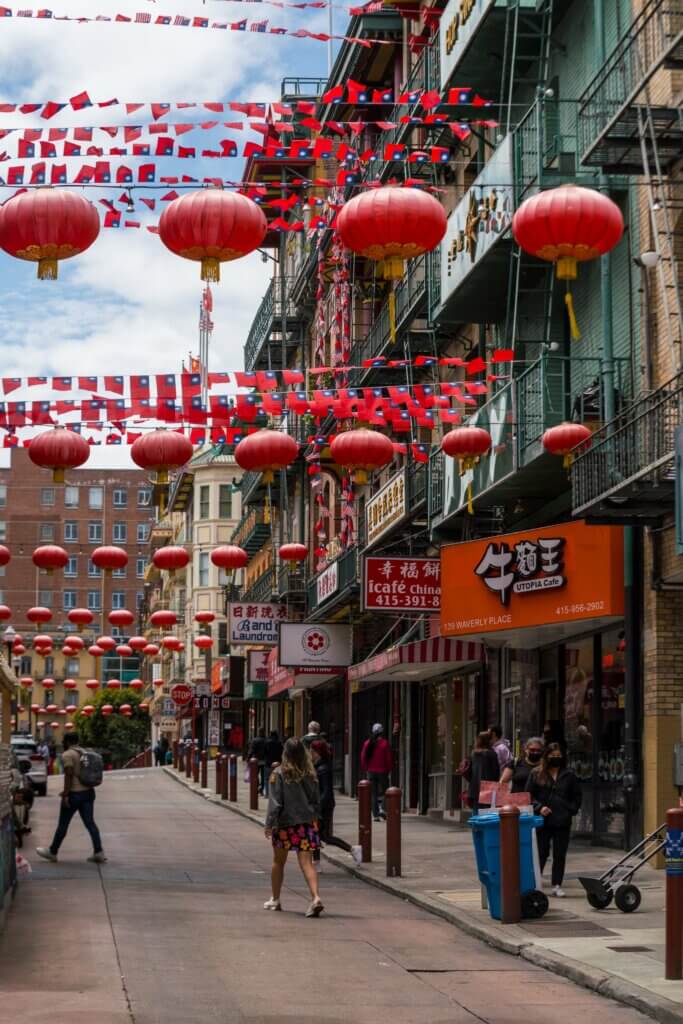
(3, 530)
(95, 497)
(69, 600)
(94, 602)
(49, 668)
(204, 495)
(71, 530)
(120, 498)
(25, 665)
(45, 598)
(225, 501)
(204, 569)
(144, 497)
(47, 495)
(117, 632)
(93, 570)
(95, 531)
(139, 598)
(118, 599)
(140, 566)
(71, 569)
(120, 573)
(120, 533)
(72, 667)
(47, 531)
(71, 497)
(223, 645)
(143, 533)
(3, 495)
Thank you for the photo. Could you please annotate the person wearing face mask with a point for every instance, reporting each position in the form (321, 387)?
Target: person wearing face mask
(519, 771)
(556, 795)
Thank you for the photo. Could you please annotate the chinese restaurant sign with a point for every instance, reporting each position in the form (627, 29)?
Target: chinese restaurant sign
(386, 508)
(255, 623)
(257, 666)
(402, 584)
(533, 578)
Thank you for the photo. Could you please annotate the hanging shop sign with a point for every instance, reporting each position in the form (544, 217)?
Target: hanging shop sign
(281, 679)
(207, 703)
(217, 668)
(320, 644)
(546, 576)
(255, 691)
(386, 508)
(167, 724)
(401, 584)
(459, 23)
(214, 728)
(478, 222)
(327, 582)
(257, 666)
(255, 623)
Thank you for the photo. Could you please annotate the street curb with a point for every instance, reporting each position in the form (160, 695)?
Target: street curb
(648, 1003)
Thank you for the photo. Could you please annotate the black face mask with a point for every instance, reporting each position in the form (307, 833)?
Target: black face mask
(534, 756)
(555, 761)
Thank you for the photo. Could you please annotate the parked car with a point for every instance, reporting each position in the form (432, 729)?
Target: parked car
(30, 762)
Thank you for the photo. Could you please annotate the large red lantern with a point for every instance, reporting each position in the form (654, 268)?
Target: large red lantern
(70, 684)
(80, 617)
(163, 618)
(212, 226)
(47, 225)
(136, 684)
(106, 643)
(203, 642)
(171, 558)
(565, 226)
(92, 684)
(362, 451)
(114, 684)
(138, 643)
(564, 438)
(151, 650)
(121, 617)
(229, 557)
(293, 552)
(76, 643)
(109, 558)
(161, 450)
(467, 444)
(5, 612)
(59, 449)
(96, 651)
(38, 615)
(50, 557)
(107, 709)
(124, 651)
(171, 643)
(204, 617)
(4, 555)
(266, 451)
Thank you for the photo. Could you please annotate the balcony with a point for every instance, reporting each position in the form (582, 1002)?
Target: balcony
(266, 328)
(291, 582)
(294, 89)
(546, 144)
(262, 590)
(627, 475)
(519, 475)
(616, 113)
(333, 586)
(252, 531)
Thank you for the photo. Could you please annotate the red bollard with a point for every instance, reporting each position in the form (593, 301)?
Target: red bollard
(189, 751)
(253, 784)
(392, 806)
(204, 764)
(175, 753)
(365, 820)
(219, 773)
(232, 771)
(674, 895)
(510, 895)
(224, 777)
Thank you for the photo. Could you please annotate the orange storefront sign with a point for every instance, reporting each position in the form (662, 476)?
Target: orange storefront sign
(536, 577)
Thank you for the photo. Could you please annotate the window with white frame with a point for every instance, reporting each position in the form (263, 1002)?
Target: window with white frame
(45, 598)
(71, 497)
(139, 598)
(95, 497)
(47, 496)
(204, 500)
(71, 567)
(69, 600)
(203, 568)
(3, 530)
(93, 570)
(46, 532)
(72, 666)
(120, 573)
(120, 532)
(140, 566)
(3, 495)
(143, 533)
(95, 531)
(225, 501)
(144, 497)
(71, 530)
(94, 600)
(118, 599)
(120, 498)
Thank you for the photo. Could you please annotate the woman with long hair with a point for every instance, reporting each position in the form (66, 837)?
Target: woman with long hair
(485, 768)
(292, 821)
(556, 795)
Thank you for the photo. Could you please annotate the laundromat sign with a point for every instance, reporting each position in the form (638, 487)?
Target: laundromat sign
(533, 578)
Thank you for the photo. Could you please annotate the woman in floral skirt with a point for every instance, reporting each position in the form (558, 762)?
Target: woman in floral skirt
(292, 821)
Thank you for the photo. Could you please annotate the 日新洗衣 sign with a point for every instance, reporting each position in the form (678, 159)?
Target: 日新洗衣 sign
(386, 508)
(402, 584)
(255, 623)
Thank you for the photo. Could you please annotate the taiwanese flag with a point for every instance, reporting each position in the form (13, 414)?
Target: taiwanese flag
(102, 172)
(221, 409)
(430, 99)
(420, 452)
(424, 394)
(81, 101)
(58, 174)
(34, 381)
(200, 23)
(297, 401)
(124, 176)
(194, 410)
(112, 219)
(247, 407)
(187, 152)
(425, 361)
(357, 92)
(272, 403)
(449, 416)
(141, 149)
(163, 19)
(164, 146)
(166, 385)
(503, 355)
(48, 150)
(159, 109)
(92, 408)
(114, 384)
(85, 174)
(191, 384)
(71, 149)
(400, 393)
(83, 134)
(16, 414)
(400, 420)
(117, 409)
(64, 405)
(25, 149)
(15, 176)
(61, 383)
(266, 380)
(290, 377)
(456, 96)
(113, 439)
(40, 412)
(394, 151)
(245, 380)
(139, 387)
(10, 384)
(439, 155)
(475, 366)
(166, 410)
(333, 94)
(382, 95)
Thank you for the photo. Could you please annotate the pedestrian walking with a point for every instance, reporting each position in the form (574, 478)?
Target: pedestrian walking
(312, 734)
(157, 754)
(321, 755)
(377, 760)
(272, 755)
(82, 773)
(292, 821)
(518, 772)
(257, 749)
(501, 746)
(556, 795)
(485, 768)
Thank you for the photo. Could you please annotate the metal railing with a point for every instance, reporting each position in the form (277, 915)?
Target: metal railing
(637, 444)
(250, 521)
(347, 576)
(291, 580)
(269, 310)
(546, 144)
(262, 589)
(654, 35)
(435, 490)
(417, 483)
(309, 87)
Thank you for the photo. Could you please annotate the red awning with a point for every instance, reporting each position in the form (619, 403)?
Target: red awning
(419, 660)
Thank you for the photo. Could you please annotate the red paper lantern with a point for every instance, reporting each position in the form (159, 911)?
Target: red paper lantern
(204, 617)
(71, 708)
(161, 450)
(113, 684)
(80, 617)
(109, 558)
(564, 438)
(467, 444)
(126, 709)
(392, 225)
(77, 643)
(88, 709)
(59, 449)
(51, 708)
(170, 558)
(48, 683)
(70, 684)
(229, 557)
(19, 649)
(50, 557)
(46, 225)
(62, 711)
(5, 555)
(124, 651)
(266, 451)
(92, 684)
(107, 643)
(212, 226)
(136, 684)
(121, 617)
(38, 615)
(163, 618)
(26, 682)
(107, 709)
(5, 612)
(171, 643)
(151, 650)
(158, 682)
(42, 640)
(96, 650)
(138, 643)
(361, 451)
(55, 725)
(35, 708)
(203, 642)
(293, 552)
(144, 706)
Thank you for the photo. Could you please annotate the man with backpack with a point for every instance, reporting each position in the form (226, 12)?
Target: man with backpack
(82, 773)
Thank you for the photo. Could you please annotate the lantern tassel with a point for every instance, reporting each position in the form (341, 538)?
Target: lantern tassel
(267, 506)
(567, 461)
(573, 324)
(47, 270)
(211, 269)
(392, 316)
(470, 504)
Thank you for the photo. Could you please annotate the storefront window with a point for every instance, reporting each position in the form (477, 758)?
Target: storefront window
(611, 808)
(520, 708)
(578, 703)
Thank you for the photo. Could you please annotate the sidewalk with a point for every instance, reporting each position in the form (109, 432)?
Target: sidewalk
(619, 955)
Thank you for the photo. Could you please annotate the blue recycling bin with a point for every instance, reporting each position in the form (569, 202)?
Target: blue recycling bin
(486, 837)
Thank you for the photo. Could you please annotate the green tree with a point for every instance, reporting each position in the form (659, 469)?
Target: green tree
(115, 735)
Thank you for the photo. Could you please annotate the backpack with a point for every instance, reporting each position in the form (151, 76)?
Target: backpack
(90, 768)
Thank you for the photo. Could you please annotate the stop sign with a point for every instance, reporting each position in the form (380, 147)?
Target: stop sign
(181, 694)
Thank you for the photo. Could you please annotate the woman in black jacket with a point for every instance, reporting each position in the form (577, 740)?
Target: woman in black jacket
(556, 795)
(485, 768)
(322, 761)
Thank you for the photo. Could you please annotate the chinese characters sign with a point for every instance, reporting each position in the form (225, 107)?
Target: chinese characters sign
(257, 666)
(402, 584)
(255, 623)
(327, 582)
(539, 577)
(387, 508)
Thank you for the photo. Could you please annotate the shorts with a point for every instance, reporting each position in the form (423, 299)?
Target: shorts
(301, 838)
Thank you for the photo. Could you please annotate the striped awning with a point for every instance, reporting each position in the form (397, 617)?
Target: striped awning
(420, 660)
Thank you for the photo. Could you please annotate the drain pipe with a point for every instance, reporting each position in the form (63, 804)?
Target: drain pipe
(607, 372)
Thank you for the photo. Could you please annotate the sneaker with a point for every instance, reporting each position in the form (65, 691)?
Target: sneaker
(559, 891)
(316, 908)
(98, 858)
(357, 854)
(46, 853)
(272, 904)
